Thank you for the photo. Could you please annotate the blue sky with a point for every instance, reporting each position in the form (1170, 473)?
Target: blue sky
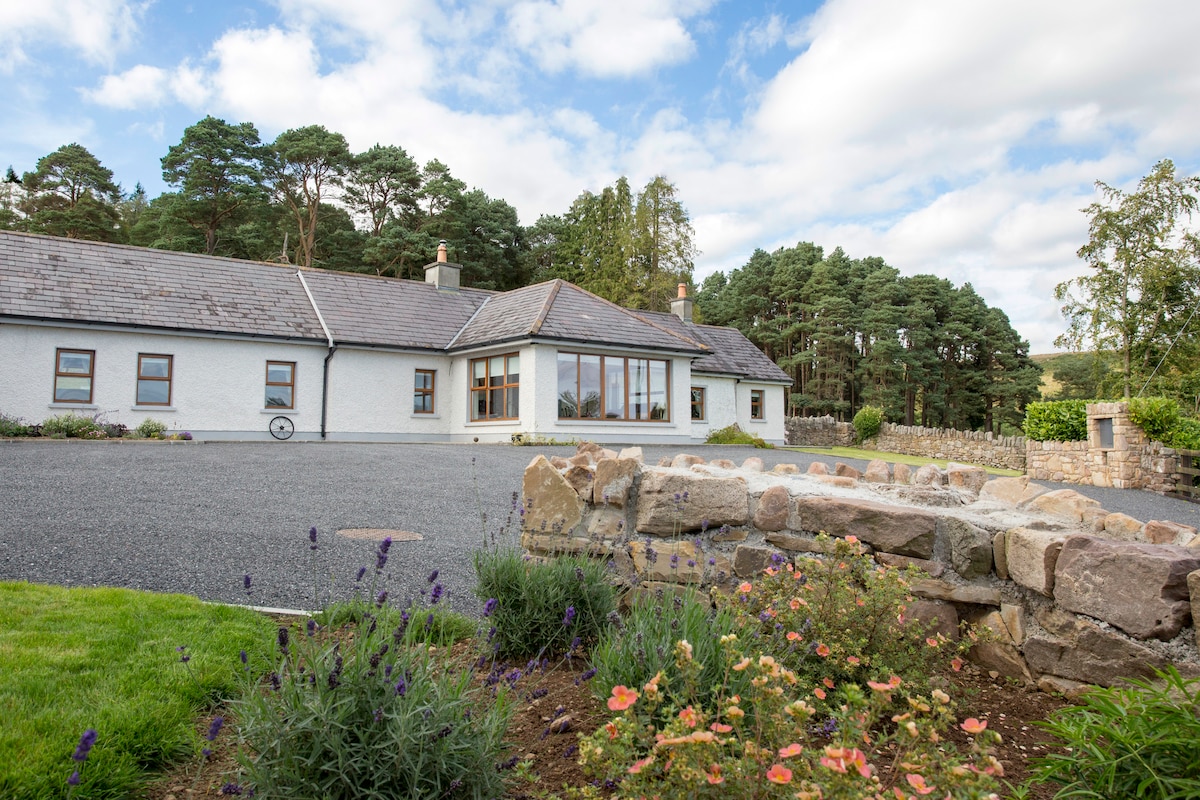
(948, 137)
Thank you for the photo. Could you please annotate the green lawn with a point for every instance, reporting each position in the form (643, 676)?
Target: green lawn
(892, 458)
(73, 659)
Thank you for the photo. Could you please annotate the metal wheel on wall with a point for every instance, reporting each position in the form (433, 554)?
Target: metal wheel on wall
(281, 428)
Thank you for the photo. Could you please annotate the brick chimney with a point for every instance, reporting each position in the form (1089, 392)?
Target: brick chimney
(442, 273)
(681, 306)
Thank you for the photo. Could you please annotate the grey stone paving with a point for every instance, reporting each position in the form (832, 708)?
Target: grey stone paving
(195, 517)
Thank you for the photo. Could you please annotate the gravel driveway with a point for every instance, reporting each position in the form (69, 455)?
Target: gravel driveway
(195, 518)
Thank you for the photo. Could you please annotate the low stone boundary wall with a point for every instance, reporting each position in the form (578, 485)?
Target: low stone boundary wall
(972, 447)
(1075, 595)
(819, 432)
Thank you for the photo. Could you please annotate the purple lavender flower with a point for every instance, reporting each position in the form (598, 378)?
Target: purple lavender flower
(74, 779)
(401, 687)
(436, 594)
(282, 638)
(361, 571)
(246, 583)
(381, 598)
(433, 576)
(184, 657)
(85, 745)
(378, 715)
(276, 684)
(244, 657)
(490, 606)
(569, 617)
(312, 537)
(231, 789)
(381, 556)
(215, 728)
(311, 627)
(429, 622)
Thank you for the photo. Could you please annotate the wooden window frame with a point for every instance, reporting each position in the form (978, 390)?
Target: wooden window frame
(488, 387)
(701, 403)
(169, 380)
(625, 388)
(420, 392)
(90, 375)
(290, 384)
(758, 404)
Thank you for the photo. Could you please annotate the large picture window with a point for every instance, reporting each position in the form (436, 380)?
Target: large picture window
(423, 381)
(154, 380)
(281, 384)
(496, 387)
(73, 375)
(613, 388)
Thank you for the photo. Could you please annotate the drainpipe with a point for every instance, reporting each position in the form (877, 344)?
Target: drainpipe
(328, 356)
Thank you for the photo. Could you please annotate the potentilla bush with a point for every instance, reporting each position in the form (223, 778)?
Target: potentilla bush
(769, 741)
(843, 617)
(1137, 741)
(72, 426)
(542, 608)
(868, 421)
(363, 714)
(642, 646)
(150, 428)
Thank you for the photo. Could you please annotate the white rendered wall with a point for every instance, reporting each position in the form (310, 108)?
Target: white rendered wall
(720, 405)
(217, 388)
(771, 426)
(371, 396)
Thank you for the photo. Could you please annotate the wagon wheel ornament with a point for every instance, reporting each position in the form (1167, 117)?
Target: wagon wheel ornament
(282, 428)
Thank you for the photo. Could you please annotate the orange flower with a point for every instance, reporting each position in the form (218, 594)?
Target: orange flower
(918, 783)
(792, 636)
(820, 693)
(734, 712)
(852, 539)
(741, 665)
(828, 682)
(714, 774)
(794, 604)
(720, 727)
(622, 698)
(823, 650)
(839, 758)
(771, 571)
(852, 660)
(612, 730)
(746, 586)
(780, 774)
(972, 725)
(932, 642)
(688, 715)
(637, 766)
(792, 749)
(956, 663)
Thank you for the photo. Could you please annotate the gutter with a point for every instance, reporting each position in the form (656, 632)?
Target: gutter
(328, 356)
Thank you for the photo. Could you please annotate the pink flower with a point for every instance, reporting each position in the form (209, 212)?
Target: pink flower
(714, 775)
(918, 783)
(688, 715)
(828, 682)
(637, 766)
(956, 663)
(852, 539)
(622, 698)
(792, 636)
(741, 665)
(793, 749)
(720, 727)
(932, 642)
(746, 586)
(820, 693)
(823, 650)
(973, 726)
(780, 774)
(852, 660)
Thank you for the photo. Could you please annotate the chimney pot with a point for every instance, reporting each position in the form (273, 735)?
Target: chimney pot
(682, 291)
(441, 252)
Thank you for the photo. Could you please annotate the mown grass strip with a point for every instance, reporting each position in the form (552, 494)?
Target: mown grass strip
(892, 458)
(73, 659)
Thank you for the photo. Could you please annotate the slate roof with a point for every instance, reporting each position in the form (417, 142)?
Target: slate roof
(49, 278)
(564, 312)
(730, 352)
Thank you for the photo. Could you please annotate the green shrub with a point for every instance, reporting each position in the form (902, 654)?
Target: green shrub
(436, 625)
(768, 741)
(1057, 421)
(835, 617)
(867, 422)
(1163, 421)
(14, 426)
(150, 428)
(644, 644)
(1139, 741)
(735, 435)
(72, 426)
(363, 715)
(1186, 435)
(542, 608)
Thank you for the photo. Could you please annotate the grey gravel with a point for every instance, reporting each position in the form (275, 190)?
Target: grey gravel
(196, 517)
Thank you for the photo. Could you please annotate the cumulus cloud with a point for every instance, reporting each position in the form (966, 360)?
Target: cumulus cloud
(96, 29)
(138, 87)
(604, 38)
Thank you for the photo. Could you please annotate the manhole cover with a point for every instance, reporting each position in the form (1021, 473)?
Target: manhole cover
(380, 534)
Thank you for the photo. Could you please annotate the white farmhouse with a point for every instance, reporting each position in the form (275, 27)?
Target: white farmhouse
(228, 349)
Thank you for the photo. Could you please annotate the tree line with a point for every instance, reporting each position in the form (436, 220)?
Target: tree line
(854, 332)
(307, 199)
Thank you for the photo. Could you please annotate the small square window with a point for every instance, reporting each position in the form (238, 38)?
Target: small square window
(154, 380)
(73, 375)
(281, 384)
(757, 404)
(424, 381)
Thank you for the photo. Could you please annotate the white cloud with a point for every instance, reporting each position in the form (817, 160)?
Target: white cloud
(96, 29)
(604, 38)
(135, 88)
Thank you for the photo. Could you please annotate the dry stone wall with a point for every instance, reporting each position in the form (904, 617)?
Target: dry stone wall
(819, 432)
(1073, 593)
(972, 447)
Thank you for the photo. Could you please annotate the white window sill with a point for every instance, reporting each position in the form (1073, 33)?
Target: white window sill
(278, 411)
(415, 415)
(510, 423)
(76, 406)
(153, 408)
